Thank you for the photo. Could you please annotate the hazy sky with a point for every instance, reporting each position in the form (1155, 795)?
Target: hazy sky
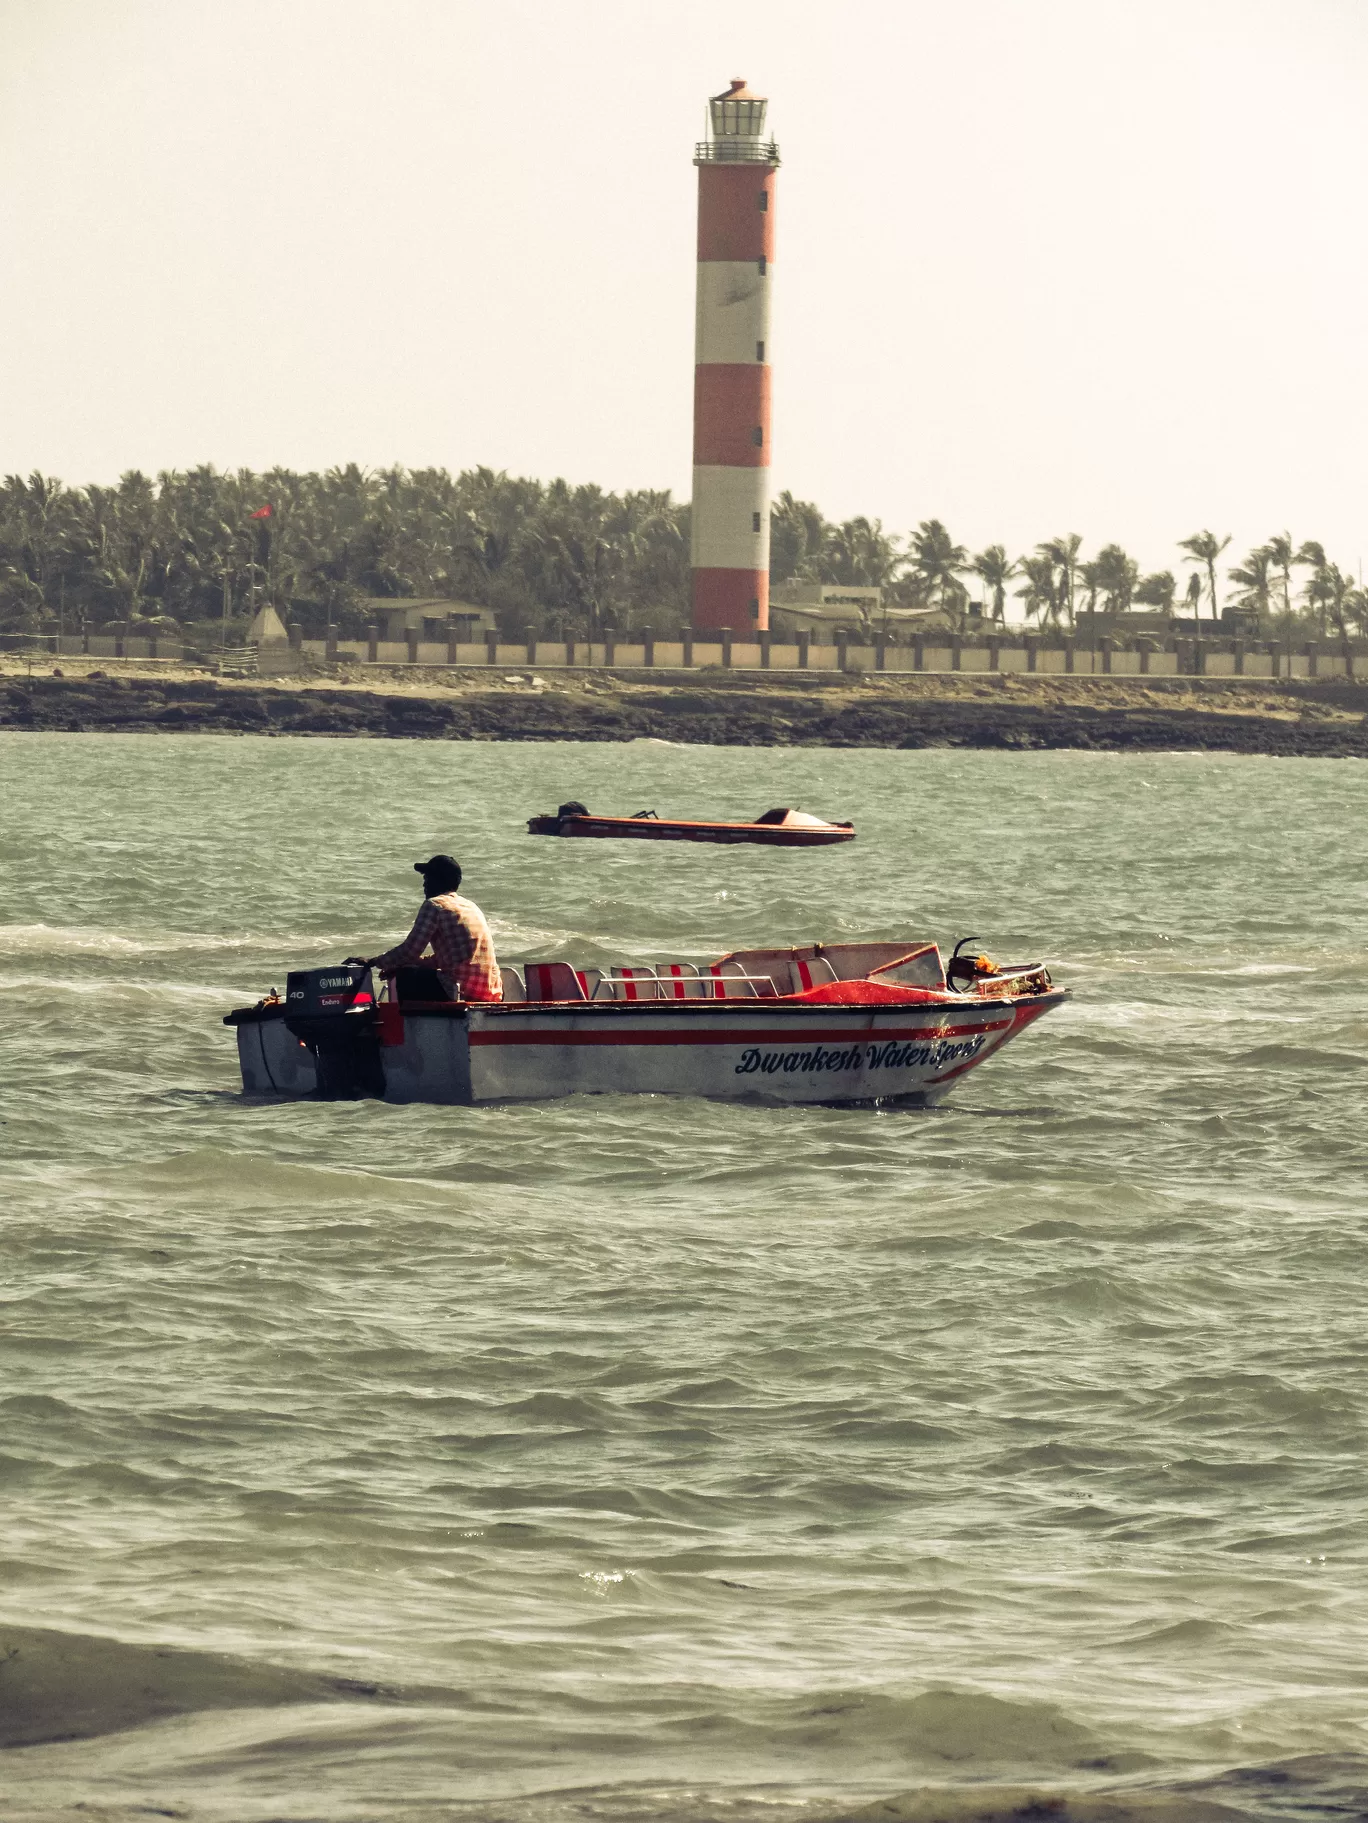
(1043, 265)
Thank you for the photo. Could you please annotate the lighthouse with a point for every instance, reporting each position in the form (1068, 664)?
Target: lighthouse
(730, 543)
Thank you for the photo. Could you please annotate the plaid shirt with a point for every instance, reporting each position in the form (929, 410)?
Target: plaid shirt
(462, 947)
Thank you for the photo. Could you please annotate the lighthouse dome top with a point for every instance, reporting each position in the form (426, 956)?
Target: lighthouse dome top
(737, 113)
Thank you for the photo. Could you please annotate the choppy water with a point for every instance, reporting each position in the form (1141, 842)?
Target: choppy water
(667, 1459)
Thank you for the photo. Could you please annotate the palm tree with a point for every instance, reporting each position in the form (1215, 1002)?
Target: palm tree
(1063, 552)
(935, 563)
(1117, 576)
(1039, 592)
(1254, 580)
(1157, 590)
(798, 533)
(860, 554)
(1318, 589)
(1090, 576)
(1205, 548)
(1282, 555)
(995, 569)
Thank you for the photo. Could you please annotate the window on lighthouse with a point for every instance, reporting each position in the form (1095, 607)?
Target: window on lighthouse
(762, 202)
(755, 522)
(760, 265)
(758, 436)
(759, 351)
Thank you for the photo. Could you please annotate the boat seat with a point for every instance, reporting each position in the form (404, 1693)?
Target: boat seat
(812, 971)
(681, 981)
(730, 982)
(635, 984)
(553, 981)
(514, 987)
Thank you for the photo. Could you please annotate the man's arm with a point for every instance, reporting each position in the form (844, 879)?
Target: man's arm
(405, 954)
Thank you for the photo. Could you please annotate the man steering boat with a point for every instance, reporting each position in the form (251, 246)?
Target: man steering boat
(462, 963)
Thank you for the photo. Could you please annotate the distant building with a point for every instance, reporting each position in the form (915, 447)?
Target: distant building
(825, 609)
(427, 615)
(1153, 623)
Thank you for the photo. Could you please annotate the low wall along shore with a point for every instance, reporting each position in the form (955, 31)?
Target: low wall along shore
(1184, 658)
(1028, 656)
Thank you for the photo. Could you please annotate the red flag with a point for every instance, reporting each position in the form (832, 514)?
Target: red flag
(262, 512)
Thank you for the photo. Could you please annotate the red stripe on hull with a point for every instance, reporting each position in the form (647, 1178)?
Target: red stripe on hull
(731, 223)
(724, 598)
(732, 403)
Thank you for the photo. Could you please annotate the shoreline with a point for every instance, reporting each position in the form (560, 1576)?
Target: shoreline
(1326, 718)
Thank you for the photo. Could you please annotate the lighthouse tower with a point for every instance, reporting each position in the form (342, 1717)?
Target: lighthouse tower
(730, 555)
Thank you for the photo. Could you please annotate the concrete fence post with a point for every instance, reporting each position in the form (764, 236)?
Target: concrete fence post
(1144, 652)
(804, 641)
(492, 648)
(453, 640)
(531, 635)
(994, 654)
(956, 652)
(918, 653)
(1032, 652)
(842, 650)
(609, 648)
(1105, 647)
(726, 646)
(1238, 648)
(569, 651)
(764, 651)
(686, 640)
(881, 652)
(330, 645)
(295, 633)
(372, 644)
(1068, 654)
(411, 641)
(648, 645)
(1312, 658)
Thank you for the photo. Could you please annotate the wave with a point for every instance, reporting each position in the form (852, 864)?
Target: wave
(57, 1686)
(1019, 1804)
(111, 945)
(1301, 1057)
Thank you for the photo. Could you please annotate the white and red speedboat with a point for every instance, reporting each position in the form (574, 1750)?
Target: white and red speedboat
(838, 1022)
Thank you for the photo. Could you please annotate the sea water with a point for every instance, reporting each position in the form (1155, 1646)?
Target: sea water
(649, 1458)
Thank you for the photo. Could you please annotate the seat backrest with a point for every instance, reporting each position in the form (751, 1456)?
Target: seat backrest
(514, 987)
(730, 982)
(812, 971)
(681, 981)
(553, 981)
(635, 984)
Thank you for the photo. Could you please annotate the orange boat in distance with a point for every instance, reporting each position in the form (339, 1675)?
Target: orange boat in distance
(776, 829)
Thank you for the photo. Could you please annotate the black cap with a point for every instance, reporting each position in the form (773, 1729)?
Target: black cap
(441, 871)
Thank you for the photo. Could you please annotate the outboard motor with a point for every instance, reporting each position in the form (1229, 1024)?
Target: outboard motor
(333, 1011)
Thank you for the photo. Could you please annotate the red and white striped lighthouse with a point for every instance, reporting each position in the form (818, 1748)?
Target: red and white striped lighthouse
(730, 555)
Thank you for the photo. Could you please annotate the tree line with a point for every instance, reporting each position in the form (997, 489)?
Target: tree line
(191, 550)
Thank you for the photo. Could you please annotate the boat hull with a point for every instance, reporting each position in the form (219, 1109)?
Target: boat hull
(653, 829)
(464, 1055)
